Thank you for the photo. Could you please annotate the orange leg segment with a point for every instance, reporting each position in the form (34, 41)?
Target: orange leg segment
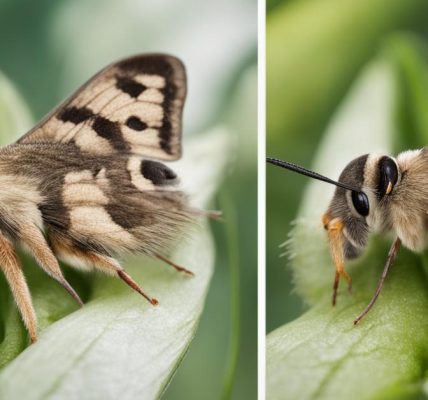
(334, 229)
(174, 265)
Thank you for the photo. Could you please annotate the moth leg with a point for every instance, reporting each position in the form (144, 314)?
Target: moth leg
(109, 265)
(11, 267)
(334, 229)
(134, 285)
(390, 260)
(172, 264)
(34, 240)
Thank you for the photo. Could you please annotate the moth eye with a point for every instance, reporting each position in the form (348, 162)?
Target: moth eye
(361, 203)
(388, 175)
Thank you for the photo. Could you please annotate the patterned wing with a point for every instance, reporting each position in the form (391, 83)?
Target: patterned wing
(133, 106)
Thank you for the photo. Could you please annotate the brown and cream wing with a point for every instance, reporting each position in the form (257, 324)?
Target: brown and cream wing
(133, 106)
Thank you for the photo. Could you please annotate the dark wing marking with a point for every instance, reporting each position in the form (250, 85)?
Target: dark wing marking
(132, 106)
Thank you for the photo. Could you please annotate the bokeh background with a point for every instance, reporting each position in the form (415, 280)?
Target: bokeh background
(49, 48)
(315, 50)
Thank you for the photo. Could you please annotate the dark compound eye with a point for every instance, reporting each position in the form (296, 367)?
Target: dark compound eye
(388, 176)
(361, 203)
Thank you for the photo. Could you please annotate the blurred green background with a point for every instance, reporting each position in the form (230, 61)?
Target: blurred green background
(315, 50)
(49, 48)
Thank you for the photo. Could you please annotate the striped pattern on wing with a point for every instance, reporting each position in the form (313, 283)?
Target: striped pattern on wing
(133, 106)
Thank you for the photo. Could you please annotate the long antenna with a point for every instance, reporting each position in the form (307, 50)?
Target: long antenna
(307, 172)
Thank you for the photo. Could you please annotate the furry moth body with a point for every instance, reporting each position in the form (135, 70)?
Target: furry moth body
(375, 193)
(86, 184)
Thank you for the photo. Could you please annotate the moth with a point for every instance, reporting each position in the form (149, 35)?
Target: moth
(87, 183)
(374, 193)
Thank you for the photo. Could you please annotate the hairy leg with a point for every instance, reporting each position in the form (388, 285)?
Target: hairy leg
(12, 270)
(33, 239)
(90, 259)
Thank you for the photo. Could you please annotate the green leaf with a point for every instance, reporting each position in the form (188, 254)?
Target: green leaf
(98, 349)
(92, 351)
(322, 355)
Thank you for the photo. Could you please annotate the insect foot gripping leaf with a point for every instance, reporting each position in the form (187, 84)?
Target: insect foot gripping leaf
(95, 349)
(322, 355)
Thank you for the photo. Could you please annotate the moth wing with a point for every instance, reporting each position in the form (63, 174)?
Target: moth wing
(133, 106)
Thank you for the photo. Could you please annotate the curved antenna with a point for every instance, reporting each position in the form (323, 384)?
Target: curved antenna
(307, 172)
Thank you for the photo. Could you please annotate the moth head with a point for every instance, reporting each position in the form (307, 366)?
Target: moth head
(358, 204)
(354, 212)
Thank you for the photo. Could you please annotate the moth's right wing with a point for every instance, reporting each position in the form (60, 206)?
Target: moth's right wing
(133, 106)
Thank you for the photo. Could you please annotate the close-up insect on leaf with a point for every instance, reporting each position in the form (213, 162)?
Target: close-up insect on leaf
(79, 176)
(353, 95)
(375, 193)
(130, 190)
